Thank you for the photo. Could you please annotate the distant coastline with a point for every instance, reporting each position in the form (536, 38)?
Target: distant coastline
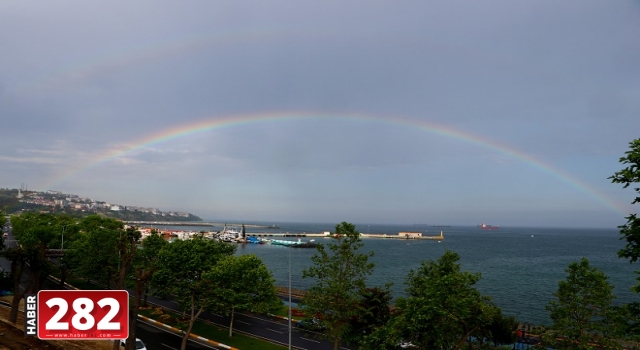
(15, 201)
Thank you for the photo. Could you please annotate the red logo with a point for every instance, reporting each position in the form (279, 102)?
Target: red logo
(82, 314)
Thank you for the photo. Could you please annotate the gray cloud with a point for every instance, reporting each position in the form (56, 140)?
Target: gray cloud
(555, 82)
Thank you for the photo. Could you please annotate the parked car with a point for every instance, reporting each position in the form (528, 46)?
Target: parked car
(139, 344)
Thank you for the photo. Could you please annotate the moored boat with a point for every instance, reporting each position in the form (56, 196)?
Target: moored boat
(296, 244)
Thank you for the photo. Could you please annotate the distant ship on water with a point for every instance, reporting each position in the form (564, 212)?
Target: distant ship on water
(488, 227)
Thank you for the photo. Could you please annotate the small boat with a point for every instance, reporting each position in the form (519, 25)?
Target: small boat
(310, 244)
(295, 244)
(254, 240)
(229, 234)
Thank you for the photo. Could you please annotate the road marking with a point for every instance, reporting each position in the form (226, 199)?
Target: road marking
(273, 330)
(170, 347)
(315, 341)
(243, 322)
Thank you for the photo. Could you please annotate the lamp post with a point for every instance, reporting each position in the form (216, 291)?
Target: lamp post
(63, 228)
(289, 251)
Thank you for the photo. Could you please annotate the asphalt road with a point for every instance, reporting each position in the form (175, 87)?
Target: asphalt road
(156, 338)
(262, 326)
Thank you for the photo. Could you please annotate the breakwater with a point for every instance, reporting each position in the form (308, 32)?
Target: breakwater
(400, 235)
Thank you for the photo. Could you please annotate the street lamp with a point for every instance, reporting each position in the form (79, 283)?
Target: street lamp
(63, 228)
(289, 251)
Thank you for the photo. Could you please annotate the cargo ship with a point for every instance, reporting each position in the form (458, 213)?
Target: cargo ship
(488, 227)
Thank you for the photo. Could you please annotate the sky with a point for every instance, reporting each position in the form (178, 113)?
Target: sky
(511, 113)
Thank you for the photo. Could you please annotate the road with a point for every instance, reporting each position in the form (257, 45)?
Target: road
(261, 326)
(156, 338)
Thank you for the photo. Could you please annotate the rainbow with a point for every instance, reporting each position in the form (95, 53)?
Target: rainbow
(215, 123)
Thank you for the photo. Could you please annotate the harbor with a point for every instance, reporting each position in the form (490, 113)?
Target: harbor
(263, 233)
(400, 235)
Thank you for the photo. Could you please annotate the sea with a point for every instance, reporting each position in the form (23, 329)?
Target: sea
(520, 267)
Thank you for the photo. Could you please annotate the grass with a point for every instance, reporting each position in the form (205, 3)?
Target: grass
(282, 311)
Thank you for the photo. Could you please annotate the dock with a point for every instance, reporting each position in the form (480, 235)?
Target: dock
(400, 235)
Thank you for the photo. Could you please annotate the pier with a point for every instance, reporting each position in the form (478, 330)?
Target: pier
(400, 235)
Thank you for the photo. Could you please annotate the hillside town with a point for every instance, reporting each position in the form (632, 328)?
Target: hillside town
(16, 200)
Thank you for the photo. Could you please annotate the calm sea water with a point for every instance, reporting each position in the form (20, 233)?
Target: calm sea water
(520, 267)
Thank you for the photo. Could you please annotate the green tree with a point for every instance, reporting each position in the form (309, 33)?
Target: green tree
(441, 311)
(502, 329)
(242, 283)
(3, 221)
(95, 254)
(372, 312)
(68, 229)
(627, 176)
(340, 278)
(145, 265)
(627, 323)
(35, 233)
(104, 252)
(5, 276)
(582, 310)
(183, 264)
(629, 319)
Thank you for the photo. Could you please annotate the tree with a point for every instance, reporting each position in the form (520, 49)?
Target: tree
(502, 329)
(97, 253)
(441, 311)
(18, 259)
(68, 229)
(3, 221)
(242, 283)
(340, 278)
(582, 310)
(627, 323)
(145, 265)
(104, 252)
(183, 264)
(627, 176)
(35, 233)
(5, 276)
(372, 312)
